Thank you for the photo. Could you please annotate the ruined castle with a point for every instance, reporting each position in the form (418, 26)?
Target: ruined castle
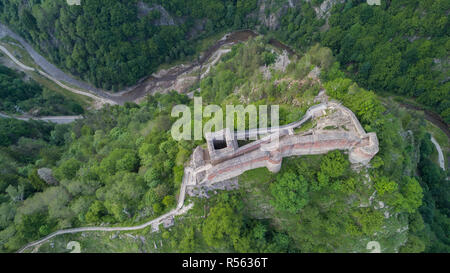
(334, 127)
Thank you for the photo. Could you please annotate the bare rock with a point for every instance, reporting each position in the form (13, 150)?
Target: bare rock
(164, 20)
(323, 11)
(46, 174)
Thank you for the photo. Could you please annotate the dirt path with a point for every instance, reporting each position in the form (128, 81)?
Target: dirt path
(179, 210)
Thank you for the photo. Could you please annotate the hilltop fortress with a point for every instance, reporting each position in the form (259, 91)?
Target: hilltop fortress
(332, 127)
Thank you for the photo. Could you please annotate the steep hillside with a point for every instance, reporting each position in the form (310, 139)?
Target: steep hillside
(113, 44)
(18, 96)
(400, 47)
(120, 166)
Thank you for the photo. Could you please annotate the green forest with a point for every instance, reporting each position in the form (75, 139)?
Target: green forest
(19, 95)
(119, 165)
(400, 47)
(109, 42)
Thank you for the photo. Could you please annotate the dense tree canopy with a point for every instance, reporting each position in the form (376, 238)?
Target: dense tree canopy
(120, 165)
(290, 192)
(18, 95)
(113, 43)
(400, 47)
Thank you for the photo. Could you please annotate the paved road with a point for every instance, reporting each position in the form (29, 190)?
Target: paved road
(440, 153)
(54, 119)
(153, 222)
(49, 68)
(74, 90)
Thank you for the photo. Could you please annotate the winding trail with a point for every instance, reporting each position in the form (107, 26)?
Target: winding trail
(143, 88)
(436, 120)
(21, 65)
(188, 179)
(179, 210)
(153, 222)
(4, 116)
(149, 84)
(190, 176)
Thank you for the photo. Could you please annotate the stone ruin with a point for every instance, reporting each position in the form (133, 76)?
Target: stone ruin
(334, 127)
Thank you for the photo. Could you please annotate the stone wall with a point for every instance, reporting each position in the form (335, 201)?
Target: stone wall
(215, 165)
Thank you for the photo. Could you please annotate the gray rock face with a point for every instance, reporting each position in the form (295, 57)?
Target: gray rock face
(324, 10)
(47, 175)
(270, 12)
(164, 20)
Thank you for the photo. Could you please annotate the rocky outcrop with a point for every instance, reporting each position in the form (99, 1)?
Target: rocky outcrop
(324, 10)
(270, 12)
(164, 20)
(46, 174)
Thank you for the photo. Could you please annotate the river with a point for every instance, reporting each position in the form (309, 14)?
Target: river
(149, 84)
(133, 93)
